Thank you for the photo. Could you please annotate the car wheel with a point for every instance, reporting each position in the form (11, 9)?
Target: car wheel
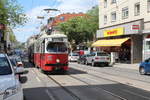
(93, 63)
(107, 64)
(142, 71)
(24, 98)
(86, 62)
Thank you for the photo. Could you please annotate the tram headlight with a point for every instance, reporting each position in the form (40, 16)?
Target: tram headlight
(57, 60)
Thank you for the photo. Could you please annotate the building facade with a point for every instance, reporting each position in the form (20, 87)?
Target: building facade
(53, 22)
(130, 19)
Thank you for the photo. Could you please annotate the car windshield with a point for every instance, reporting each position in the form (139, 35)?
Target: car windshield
(5, 68)
(102, 54)
(56, 47)
(75, 54)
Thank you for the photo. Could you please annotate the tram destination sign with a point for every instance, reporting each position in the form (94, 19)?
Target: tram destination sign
(59, 40)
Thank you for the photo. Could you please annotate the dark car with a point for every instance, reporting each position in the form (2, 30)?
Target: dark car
(144, 67)
(82, 59)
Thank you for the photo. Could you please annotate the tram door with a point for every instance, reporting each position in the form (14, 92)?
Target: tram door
(42, 46)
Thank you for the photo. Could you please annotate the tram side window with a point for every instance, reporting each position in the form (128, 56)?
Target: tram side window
(147, 45)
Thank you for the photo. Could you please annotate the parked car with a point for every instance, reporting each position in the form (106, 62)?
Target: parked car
(73, 57)
(144, 67)
(10, 87)
(16, 62)
(82, 59)
(98, 58)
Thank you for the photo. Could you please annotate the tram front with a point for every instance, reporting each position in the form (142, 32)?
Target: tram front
(56, 53)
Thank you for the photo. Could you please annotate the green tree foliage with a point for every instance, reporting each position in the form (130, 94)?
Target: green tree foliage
(81, 29)
(11, 13)
(12, 37)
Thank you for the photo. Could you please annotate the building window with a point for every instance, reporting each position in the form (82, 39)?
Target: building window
(113, 1)
(113, 16)
(137, 9)
(125, 13)
(148, 5)
(105, 3)
(105, 19)
(62, 18)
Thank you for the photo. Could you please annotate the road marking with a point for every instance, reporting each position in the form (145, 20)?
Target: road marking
(32, 71)
(136, 94)
(38, 79)
(49, 95)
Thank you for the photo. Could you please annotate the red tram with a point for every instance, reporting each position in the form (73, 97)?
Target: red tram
(51, 52)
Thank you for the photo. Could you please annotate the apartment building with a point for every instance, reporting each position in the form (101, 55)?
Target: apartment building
(124, 28)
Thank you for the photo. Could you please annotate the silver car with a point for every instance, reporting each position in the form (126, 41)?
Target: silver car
(98, 58)
(73, 57)
(10, 87)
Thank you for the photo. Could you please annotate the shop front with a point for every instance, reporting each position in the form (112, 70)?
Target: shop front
(146, 46)
(123, 40)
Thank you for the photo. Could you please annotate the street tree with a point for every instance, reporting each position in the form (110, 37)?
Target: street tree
(11, 13)
(82, 29)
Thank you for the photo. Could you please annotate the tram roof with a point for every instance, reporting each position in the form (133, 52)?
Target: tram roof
(53, 35)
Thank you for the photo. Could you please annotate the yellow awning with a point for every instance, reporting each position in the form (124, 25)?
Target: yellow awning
(110, 42)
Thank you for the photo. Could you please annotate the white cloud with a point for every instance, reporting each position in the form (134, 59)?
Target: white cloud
(76, 5)
(64, 6)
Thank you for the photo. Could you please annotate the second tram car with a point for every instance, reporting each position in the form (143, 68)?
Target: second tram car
(51, 52)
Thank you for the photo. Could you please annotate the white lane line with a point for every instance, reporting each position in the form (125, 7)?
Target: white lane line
(32, 71)
(38, 79)
(136, 94)
(49, 95)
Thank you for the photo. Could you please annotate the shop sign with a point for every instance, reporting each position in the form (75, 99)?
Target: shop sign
(114, 32)
(135, 27)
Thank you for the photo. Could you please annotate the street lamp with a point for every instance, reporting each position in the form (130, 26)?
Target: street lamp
(40, 17)
(50, 9)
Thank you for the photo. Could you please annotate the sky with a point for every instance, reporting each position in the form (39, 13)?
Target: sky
(34, 8)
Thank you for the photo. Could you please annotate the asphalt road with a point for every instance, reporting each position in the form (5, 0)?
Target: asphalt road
(84, 82)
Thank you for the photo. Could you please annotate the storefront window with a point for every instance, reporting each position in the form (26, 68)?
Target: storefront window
(147, 46)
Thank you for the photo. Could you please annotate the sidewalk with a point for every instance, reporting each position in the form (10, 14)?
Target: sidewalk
(128, 66)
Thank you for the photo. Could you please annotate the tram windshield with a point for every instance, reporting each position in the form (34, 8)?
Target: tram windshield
(56, 47)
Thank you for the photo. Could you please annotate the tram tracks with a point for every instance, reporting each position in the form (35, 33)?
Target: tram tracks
(64, 88)
(98, 88)
(130, 91)
(90, 69)
(88, 84)
(73, 94)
